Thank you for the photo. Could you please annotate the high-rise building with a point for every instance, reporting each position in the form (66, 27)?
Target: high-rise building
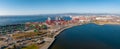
(49, 19)
(56, 18)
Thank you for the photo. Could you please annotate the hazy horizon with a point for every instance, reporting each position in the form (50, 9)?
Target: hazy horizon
(64, 14)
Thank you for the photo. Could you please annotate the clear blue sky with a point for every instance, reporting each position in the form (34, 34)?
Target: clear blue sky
(23, 7)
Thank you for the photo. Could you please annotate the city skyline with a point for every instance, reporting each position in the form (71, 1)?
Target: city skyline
(31, 7)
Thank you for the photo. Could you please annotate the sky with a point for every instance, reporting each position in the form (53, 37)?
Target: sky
(31, 7)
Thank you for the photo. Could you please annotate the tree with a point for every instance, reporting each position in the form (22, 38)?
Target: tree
(44, 27)
(36, 30)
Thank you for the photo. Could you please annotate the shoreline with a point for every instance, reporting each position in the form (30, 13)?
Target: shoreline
(51, 40)
(47, 46)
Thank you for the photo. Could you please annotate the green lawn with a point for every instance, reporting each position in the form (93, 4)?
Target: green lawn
(33, 46)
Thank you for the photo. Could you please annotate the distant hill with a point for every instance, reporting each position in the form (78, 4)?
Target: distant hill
(87, 14)
(74, 14)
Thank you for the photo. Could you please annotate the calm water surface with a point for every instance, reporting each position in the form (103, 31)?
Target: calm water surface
(89, 36)
(7, 20)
